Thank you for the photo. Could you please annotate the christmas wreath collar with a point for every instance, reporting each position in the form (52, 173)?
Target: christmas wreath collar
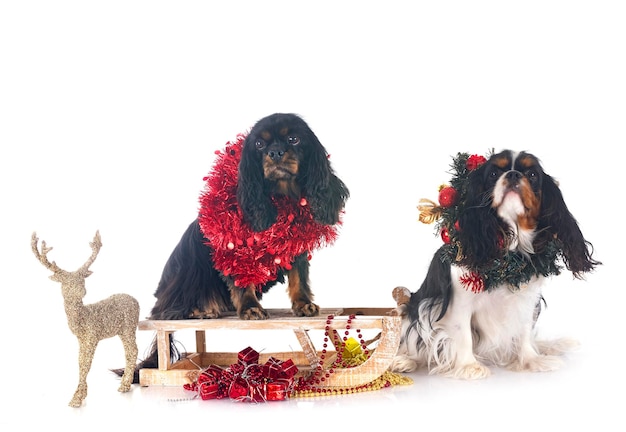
(249, 257)
(512, 268)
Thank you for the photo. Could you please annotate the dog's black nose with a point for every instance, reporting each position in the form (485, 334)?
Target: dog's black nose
(275, 154)
(513, 175)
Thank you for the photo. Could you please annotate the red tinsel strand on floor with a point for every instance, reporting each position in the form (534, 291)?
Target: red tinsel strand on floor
(254, 258)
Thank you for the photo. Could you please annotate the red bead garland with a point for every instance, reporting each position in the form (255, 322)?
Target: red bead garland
(311, 385)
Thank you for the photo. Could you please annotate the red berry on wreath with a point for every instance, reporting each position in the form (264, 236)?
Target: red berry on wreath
(474, 161)
(447, 196)
(445, 235)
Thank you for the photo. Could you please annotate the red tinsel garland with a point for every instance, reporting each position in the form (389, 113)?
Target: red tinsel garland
(473, 281)
(249, 257)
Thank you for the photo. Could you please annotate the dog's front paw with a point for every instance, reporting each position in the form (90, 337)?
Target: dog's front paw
(204, 314)
(254, 313)
(403, 363)
(471, 371)
(557, 346)
(305, 309)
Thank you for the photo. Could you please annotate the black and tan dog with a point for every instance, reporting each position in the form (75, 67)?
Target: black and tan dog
(271, 199)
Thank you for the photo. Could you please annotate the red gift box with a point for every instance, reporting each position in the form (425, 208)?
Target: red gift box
(289, 369)
(257, 392)
(272, 368)
(238, 389)
(214, 370)
(275, 369)
(248, 356)
(212, 373)
(275, 391)
(208, 390)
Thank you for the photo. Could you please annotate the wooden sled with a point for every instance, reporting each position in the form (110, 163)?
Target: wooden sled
(187, 369)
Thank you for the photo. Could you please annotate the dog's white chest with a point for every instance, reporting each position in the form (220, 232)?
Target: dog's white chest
(498, 314)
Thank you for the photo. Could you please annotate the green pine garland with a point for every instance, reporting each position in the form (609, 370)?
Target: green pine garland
(513, 268)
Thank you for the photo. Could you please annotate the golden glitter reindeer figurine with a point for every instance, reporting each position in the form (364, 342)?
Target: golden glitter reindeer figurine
(117, 315)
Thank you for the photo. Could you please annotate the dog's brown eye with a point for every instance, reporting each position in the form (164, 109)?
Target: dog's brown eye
(294, 140)
(259, 144)
(532, 175)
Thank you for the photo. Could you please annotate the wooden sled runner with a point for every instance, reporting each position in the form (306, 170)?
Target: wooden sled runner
(186, 370)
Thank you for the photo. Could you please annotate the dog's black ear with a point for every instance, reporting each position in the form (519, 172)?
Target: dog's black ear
(557, 220)
(436, 285)
(324, 191)
(252, 192)
(480, 228)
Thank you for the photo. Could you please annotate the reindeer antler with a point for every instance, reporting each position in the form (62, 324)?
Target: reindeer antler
(42, 256)
(96, 244)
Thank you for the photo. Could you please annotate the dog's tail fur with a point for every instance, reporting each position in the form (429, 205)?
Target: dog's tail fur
(152, 360)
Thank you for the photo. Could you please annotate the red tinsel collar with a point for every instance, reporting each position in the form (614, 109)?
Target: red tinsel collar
(249, 257)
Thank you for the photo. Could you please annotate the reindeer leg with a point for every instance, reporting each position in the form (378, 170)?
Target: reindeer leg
(130, 350)
(85, 357)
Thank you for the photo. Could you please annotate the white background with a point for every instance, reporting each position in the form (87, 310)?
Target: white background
(110, 114)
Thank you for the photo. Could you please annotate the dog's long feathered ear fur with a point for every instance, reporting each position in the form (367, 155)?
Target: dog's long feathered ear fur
(324, 191)
(436, 285)
(252, 190)
(480, 227)
(556, 220)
